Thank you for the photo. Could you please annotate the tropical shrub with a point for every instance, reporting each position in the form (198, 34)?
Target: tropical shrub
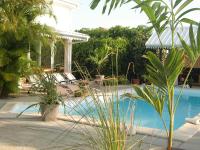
(102, 111)
(78, 94)
(110, 82)
(18, 29)
(163, 74)
(100, 56)
(83, 92)
(131, 48)
(122, 80)
(45, 88)
(9, 76)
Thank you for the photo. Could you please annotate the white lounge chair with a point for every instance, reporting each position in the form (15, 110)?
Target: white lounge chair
(60, 79)
(67, 89)
(72, 87)
(33, 81)
(63, 91)
(22, 85)
(70, 77)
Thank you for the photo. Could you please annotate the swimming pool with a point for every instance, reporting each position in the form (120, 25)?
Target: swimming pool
(144, 114)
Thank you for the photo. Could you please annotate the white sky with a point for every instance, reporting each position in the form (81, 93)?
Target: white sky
(124, 16)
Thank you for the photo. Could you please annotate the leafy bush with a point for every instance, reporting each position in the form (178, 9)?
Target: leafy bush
(163, 72)
(78, 93)
(122, 80)
(45, 87)
(18, 31)
(132, 51)
(82, 92)
(110, 82)
(107, 128)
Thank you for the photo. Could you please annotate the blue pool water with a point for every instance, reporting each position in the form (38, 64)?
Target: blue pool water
(144, 114)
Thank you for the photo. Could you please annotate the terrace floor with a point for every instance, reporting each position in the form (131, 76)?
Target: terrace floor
(29, 133)
(32, 134)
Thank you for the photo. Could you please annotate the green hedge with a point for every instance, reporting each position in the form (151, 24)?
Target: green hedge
(131, 52)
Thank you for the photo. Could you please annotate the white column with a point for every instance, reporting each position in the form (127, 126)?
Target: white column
(176, 83)
(52, 54)
(29, 55)
(68, 56)
(29, 52)
(39, 47)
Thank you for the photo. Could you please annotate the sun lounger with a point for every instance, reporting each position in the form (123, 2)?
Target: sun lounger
(22, 85)
(32, 82)
(73, 87)
(70, 77)
(63, 91)
(60, 79)
(195, 120)
(33, 79)
(67, 89)
(65, 85)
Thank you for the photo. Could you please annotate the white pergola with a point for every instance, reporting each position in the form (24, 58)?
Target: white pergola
(70, 38)
(62, 10)
(166, 38)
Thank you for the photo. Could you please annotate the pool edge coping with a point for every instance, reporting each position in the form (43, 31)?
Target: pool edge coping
(183, 133)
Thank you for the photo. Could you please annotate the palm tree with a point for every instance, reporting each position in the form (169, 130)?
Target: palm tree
(100, 57)
(18, 29)
(163, 75)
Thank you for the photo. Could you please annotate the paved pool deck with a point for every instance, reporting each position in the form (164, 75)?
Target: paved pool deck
(30, 133)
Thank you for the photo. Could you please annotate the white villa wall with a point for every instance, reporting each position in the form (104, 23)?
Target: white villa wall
(62, 9)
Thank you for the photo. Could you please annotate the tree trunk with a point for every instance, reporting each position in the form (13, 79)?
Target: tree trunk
(160, 54)
(171, 130)
(3, 92)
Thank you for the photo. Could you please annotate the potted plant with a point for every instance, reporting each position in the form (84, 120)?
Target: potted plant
(99, 59)
(131, 75)
(136, 79)
(50, 98)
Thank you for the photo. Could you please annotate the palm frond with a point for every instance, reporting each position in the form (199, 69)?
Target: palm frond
(192, 51)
